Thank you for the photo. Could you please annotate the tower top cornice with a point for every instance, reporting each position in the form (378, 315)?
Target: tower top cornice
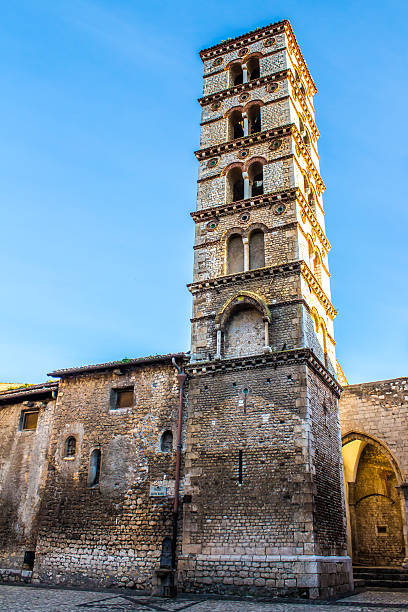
(259, 34)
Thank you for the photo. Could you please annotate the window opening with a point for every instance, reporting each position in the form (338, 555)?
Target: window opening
(124, 397)
(29, 557)
(70, 447)
(235, 254)
(240, 471)
(253, 68)
(166, 442)
(29, 419)
(236, 75)
(95, 467)
(254, 117)
(256, 250)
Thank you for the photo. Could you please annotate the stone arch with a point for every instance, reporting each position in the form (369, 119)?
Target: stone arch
(369, 439)
(225, 170)
(252, 160)
(242, 326)
(374, 500)
(248, 105)
(243, 297)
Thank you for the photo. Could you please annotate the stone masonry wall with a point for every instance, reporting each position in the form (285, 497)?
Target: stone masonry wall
(23, 468)
(110, 534)
(380, 410)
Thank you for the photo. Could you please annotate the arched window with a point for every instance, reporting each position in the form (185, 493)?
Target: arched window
(253, 68)
(317, 267)
(236, 75)
(94, 467)
(70, 447)
(254, 119)
(312, 200)
(166, 442)
(306, 184)
(235, 185)
(236, 125)
(255, 174)
(256, 250)
(235, 254)
(306, 140)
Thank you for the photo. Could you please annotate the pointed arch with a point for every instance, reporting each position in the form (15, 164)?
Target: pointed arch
(369, 439)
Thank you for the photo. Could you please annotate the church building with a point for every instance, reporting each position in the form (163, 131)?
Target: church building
(221, 469)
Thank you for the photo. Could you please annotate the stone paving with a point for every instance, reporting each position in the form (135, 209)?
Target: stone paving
(39, 599)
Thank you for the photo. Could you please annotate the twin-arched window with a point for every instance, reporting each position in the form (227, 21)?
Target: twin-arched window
(242, 123)
(245, 255)
(241, 185)
(242, 73)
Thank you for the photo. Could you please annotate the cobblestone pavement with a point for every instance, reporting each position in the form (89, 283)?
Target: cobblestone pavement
(38, 599)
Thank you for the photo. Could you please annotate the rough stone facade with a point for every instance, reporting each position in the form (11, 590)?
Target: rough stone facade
(92, 487)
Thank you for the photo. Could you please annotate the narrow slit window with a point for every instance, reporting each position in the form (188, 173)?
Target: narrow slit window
(95, 467)
(240, 467)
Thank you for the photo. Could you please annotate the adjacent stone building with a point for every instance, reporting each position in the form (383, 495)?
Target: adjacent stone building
(220, 469)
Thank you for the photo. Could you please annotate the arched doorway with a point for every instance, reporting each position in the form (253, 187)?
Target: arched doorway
(375, 522)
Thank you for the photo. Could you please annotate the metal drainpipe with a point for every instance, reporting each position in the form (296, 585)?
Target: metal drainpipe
(181, 377)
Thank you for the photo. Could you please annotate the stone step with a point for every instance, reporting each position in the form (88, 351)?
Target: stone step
(388, 577)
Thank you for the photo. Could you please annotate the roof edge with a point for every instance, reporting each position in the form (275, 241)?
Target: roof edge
(19, 393)
(111, 365)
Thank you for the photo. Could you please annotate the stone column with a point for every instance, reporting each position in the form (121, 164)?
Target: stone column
(351, 502)
(246, 254)
(246, 126)
(247, 187)
(218, 355)
(244, 73)
(403, 493)
(267, 348)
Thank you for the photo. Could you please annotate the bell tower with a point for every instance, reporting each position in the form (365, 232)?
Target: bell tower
(263, 456)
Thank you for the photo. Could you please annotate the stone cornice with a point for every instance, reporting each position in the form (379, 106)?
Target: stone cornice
(306, 211)
(299, 98)
(269, 230)
(317, 290)
(276, 359)
(292, 267)
(245, 39)
(220, 281)
(294, 47)
(269, 30)
(245, 141)
(300, 146)
(278, 197)
(237, 89)
(259, 137)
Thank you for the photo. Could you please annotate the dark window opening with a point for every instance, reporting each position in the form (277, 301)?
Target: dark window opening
(70, 447)
(29, 557)
(256, 250)
(240, 470)
(381, 529)
(235, 254)
(124, 398)
(166, 442)
(236, 75)
(254, 118)
(236, 125)
(29, 419)
(166, 557)
(95, 467)
(238, 190)
(253, 68)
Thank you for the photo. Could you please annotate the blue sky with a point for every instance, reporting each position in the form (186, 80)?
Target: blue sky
(99, 121)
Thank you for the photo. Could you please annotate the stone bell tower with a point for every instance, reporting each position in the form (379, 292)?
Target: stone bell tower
(265, 506)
